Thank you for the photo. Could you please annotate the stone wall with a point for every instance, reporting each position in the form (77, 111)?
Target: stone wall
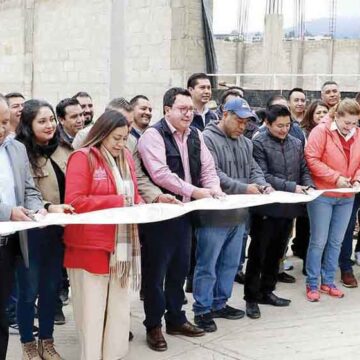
(109, 48)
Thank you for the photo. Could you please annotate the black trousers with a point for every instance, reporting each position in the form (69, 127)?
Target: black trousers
(269, 238)
(9, 255)
(167, 248)
(301, 240)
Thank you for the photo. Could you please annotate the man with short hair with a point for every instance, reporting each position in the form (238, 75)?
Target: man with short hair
(281, 158)
(297, 103)
(330, 93)
(220, 233)
(142, 115)
(87, 105)
(71, 119)
(18, 198)
(199, 87)
(178, 161)
(15, 101)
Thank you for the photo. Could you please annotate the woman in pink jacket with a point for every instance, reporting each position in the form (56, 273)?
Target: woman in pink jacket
(333, 157)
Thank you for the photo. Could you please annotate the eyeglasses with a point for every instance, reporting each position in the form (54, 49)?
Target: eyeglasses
(184, 109)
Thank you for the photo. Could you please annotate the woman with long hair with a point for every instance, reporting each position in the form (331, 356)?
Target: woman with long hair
(333, 157)
(102, 259)
(313, 115)
(48, 158)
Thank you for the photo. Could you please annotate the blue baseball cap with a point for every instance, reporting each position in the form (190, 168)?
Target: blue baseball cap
(240, 107)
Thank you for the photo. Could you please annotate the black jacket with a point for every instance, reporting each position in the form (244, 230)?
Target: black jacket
(198, 120)
(284, 167)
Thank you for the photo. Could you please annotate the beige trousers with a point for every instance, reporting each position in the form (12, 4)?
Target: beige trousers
(102, 315)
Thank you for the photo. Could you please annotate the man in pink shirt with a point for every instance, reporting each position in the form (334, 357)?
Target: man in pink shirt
(178, 161)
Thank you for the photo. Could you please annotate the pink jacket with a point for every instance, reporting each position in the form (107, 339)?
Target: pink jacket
(326, 158)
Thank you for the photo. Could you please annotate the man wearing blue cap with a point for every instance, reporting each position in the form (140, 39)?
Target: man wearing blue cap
(220, 233)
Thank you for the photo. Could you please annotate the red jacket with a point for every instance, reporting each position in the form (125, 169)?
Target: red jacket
(88, 190)
(326, 157)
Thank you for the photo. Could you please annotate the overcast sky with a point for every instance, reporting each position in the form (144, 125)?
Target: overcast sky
(225, 12)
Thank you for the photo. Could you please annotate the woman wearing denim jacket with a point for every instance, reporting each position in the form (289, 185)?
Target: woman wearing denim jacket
(333, 157)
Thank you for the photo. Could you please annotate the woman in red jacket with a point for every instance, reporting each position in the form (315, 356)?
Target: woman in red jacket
(333, 157)
(101, 258)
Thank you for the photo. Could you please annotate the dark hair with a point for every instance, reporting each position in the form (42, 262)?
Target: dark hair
(308, 121)
(274, 98)
(13, 95)
(261, 114)
(193, 79)
(63, 104)
(235, 87)
(104, 125)
(329, 82)
(275, 111)
(227, 93)
(119, 104)
(136, 98)
(82, 94)
(171, 94)
(296, 89)
(24, 132)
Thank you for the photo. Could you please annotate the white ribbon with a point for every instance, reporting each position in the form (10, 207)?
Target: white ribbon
(157, 212)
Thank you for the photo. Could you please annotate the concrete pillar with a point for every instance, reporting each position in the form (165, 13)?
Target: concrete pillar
(273, 49)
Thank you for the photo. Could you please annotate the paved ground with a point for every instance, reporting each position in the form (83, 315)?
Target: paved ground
(328, 330)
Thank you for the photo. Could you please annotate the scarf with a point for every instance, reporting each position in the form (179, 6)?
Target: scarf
(125, 260)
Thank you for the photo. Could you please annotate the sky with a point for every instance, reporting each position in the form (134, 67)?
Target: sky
(225, 13)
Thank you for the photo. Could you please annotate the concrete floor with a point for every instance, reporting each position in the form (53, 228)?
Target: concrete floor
(328, 330)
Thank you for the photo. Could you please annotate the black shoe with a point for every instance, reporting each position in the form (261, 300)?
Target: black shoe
(240, 278)
(272, 299)
(131, 336)
(286, 278)
(229, 313)
(252, 310)
(64, 296)
(59, 318)
(205, 322)
(189, 285)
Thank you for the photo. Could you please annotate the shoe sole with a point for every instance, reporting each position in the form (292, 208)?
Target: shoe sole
(253, 317)
(157, 349)
(349, 286)
(170, 332)
(312, 300)
(59, 322)
(334, 296)
(228, 317)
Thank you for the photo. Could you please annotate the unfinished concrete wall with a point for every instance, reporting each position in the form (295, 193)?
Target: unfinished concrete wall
(54, 48)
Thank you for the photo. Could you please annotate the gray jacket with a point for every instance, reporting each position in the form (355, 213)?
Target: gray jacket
(236, 169)
(26, 193)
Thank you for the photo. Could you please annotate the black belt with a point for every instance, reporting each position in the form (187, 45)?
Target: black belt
(5, 239)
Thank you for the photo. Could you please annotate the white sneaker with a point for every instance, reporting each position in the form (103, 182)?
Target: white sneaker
(357, 258)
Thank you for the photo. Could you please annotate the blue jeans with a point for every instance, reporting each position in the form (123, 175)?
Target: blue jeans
(329, 218)
(217, 259)
(347, 245)
(41, 279)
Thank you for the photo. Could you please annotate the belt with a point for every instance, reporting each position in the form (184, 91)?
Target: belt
(5, 239)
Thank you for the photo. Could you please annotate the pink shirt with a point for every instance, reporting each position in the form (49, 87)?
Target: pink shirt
(151, 147)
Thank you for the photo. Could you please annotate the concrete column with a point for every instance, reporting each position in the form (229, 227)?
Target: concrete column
(273, 49)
